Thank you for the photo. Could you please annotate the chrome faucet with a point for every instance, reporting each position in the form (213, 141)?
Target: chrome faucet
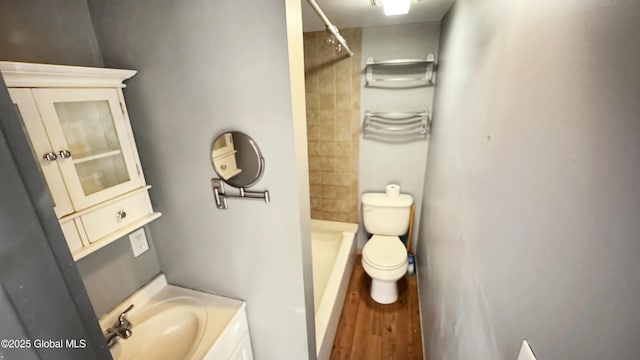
(120, 329)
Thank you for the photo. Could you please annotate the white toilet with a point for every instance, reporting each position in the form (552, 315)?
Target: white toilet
(384, 257)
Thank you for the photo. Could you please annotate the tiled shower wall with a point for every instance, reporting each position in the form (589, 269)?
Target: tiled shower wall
(333, 125)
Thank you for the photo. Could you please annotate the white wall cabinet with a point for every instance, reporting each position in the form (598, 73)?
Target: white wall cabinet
(79, 129)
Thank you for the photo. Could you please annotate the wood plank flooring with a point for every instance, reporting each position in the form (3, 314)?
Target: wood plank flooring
(371, 331)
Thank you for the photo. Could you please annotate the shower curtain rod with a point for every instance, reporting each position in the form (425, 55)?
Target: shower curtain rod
(332, 28)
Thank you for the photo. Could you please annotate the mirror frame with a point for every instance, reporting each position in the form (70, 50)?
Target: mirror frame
(254, 146)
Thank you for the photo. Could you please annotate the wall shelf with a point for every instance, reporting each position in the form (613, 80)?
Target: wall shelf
(97, 156)
(396, 126)
(395, 73)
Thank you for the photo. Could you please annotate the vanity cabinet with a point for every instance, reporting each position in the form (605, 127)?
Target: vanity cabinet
(80, 134)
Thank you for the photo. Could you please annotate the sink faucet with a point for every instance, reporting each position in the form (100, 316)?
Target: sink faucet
(120, 329)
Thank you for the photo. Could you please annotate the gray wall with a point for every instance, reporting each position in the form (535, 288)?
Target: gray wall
(52, 31)
(206, 67)
(401, 163)
(61, 32)
(41, 293)
(530, 222)
(112, 274)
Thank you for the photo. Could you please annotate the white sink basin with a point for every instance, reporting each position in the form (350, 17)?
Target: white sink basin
(167, 330)
(170, 322)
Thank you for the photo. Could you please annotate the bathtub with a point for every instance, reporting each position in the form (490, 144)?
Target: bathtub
(333, 251)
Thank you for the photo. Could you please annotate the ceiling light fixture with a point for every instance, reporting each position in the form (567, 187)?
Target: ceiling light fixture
(396, 7)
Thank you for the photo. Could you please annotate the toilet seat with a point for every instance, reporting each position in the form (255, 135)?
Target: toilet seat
(385, 253)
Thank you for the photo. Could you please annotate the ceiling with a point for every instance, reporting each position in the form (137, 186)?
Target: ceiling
(359, 13)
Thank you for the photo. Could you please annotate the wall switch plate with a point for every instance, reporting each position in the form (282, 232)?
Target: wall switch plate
(139, 243)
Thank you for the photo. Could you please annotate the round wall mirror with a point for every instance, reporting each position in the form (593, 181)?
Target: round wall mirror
(236, 158)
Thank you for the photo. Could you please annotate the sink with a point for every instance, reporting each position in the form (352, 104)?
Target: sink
(171, 322)
(170, 330)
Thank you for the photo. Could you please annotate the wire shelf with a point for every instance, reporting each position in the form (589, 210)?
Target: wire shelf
(396, 126)
(393, 73)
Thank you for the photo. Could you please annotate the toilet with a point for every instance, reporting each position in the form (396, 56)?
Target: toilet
(384, 257)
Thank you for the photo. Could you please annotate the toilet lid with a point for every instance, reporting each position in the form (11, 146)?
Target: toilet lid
(385, 251)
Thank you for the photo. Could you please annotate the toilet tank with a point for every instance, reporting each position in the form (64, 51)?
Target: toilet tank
(384, 215)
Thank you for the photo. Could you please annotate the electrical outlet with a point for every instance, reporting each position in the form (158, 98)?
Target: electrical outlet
(139, 243)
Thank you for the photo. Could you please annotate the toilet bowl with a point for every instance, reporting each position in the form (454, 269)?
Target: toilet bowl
(384, 259)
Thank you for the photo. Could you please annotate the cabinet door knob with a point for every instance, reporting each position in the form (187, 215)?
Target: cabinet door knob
(50, 156)
(121, 215)
(64, 154)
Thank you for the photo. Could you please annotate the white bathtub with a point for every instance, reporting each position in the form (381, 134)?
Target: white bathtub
(333, 252)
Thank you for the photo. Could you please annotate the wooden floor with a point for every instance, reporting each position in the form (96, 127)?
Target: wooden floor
(371, 331)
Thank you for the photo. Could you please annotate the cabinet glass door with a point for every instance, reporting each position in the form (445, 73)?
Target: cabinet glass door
(91, 137)
(95, 153)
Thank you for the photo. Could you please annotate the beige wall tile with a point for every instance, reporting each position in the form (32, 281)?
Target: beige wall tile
(315, 214)
(315, 191)
(327, 132)
(355, 116)
(343, 164)
(343, 133)
(343, 85)
(314, 148)
(315, 164)
(344, 120)
(355, 152)
(343, 192)
(340, 178)
(312, 118)
(343, 205)
(343, 69)
(355, 136)
(315, 203)
(353, 217)
(313, 133)
(328, 148)
(343, 103)
(355, 104)
(326, 117)
(312, 101)
(311, 82)
(345, 177)
(327, 102)
(328, 163)
(326, 81)
(355, 82)
(329, 192)
(327, 178)
(330, 204)
(354, 165)
(337, 216)
(333, 107)
(343, 149)
(315, 177)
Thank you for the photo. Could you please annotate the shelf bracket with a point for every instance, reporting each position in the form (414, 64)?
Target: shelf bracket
(221, 197)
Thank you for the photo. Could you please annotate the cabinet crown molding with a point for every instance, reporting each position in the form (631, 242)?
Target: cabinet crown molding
(20, 74)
